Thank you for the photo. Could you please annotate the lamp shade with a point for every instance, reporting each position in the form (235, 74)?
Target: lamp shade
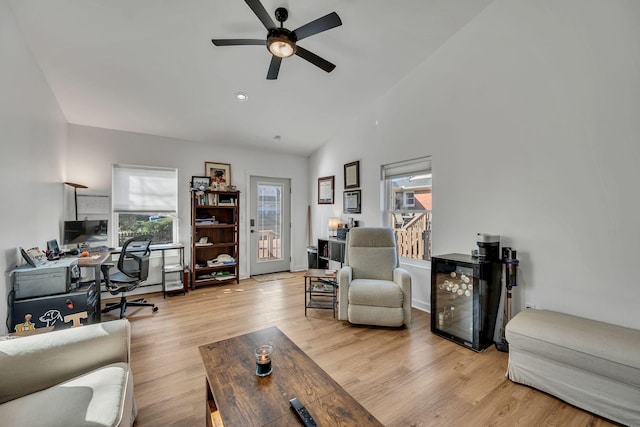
(333, 224)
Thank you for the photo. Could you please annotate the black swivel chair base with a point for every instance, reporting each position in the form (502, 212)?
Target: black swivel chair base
(123, 304)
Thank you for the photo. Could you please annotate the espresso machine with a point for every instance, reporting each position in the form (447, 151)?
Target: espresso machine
(488, 247)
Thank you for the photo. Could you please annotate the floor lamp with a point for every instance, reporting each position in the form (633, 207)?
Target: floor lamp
(75, 193)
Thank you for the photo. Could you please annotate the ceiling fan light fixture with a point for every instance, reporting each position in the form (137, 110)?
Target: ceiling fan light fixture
(281, 46)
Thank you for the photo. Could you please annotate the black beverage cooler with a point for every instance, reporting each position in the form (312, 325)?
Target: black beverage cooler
(50, 311)
(465, 295)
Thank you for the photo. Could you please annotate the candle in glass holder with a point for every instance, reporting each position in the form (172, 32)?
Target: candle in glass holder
(263, 360)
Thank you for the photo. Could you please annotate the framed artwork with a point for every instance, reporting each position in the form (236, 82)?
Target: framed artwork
(325, 190)
(200, 182)
(220, 174)
(351, 201)
(352, 175)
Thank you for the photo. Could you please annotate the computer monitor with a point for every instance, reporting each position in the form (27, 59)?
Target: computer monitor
(77, 232)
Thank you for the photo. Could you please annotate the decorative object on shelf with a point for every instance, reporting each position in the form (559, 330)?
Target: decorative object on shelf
(75, 194)
(351, 201)
(325, 190)
(200, 182)
(220, 174)
(352, 175)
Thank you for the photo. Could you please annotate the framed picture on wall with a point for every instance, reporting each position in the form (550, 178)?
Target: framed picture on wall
(351, 201)
(220, 174)
(352, 175)
(325, 190)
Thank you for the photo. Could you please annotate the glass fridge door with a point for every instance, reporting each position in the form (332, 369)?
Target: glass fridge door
(454, 288)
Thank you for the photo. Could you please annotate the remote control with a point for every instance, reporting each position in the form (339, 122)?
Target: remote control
(302, 412)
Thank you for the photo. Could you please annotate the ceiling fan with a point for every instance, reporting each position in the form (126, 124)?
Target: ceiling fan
(281, 42)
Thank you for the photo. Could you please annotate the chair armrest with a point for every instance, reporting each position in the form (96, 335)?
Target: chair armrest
(403, 279)
(344, 279)
(32, 363)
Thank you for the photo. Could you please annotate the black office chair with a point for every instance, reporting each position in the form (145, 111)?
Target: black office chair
(133, 269)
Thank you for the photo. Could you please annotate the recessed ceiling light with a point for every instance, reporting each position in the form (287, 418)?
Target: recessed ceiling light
(277, 138)
(241, 96)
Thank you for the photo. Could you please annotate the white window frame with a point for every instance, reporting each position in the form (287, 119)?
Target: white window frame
(406, 198)
(421, 167)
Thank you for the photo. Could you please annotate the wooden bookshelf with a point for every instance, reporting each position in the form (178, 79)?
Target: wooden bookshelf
(215, 230)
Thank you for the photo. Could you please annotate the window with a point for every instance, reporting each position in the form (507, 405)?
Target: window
(145, 201)
(409, 199)
(407, 195)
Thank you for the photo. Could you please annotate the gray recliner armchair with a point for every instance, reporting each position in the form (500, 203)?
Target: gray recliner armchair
(373, 290)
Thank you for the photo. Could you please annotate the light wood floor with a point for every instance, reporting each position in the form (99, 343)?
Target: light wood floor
(404, 377)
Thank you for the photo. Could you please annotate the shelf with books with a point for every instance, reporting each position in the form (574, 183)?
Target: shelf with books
(215, 249)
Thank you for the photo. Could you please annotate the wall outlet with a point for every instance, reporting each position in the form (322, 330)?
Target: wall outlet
(529, 305)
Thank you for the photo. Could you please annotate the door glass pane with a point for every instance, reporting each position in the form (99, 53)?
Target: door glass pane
(269, 222)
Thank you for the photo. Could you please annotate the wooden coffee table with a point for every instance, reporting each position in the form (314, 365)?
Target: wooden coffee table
(237, 397)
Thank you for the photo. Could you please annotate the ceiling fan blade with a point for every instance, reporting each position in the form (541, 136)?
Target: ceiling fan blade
(315, 59)
(261, 13)
(274, 67)
(325, 23)
(236, 42)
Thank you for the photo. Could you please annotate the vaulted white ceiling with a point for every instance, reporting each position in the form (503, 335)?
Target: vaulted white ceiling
(149, 66)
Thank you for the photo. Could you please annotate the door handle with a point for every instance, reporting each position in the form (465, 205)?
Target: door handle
(253, 231)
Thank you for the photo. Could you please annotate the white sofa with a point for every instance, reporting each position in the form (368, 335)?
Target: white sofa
(72, 377)
(589, 364)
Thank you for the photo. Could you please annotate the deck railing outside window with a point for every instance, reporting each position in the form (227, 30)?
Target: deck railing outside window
(269, 245)
(413, 232)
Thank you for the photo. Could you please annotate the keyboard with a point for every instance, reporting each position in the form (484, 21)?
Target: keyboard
(97, 249)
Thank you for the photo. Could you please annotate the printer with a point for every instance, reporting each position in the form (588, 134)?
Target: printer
(51, 278)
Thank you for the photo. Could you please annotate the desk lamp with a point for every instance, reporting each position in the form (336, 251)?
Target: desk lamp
(333, 226)
(75, 193)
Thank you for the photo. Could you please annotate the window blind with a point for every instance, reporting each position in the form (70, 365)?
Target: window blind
(144, 189)
(405, 168)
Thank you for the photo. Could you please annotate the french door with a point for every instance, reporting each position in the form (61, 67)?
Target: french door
(270, 225)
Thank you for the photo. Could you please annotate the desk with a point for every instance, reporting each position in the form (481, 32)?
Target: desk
(237, 397)
(94, 260)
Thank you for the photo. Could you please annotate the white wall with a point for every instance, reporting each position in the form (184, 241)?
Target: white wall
(92, 151)
(531, 115)
(33, 138)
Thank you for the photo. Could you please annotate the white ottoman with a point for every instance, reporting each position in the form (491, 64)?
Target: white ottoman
(589, 364)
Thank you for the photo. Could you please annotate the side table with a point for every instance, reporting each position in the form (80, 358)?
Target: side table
(320, 290)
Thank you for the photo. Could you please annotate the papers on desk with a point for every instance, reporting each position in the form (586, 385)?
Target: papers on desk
(34, 256)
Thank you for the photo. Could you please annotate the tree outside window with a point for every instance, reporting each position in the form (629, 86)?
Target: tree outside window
(159, 226)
